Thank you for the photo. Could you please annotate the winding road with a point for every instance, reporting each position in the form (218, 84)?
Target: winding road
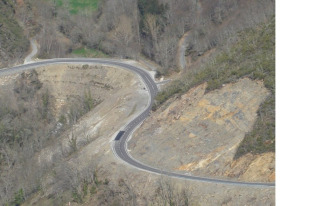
(119, 145)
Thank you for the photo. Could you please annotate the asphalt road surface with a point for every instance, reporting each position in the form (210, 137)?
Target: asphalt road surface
(120, 142)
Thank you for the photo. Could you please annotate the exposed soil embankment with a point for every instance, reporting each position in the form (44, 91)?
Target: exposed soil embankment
(199, 133)
(68, 82)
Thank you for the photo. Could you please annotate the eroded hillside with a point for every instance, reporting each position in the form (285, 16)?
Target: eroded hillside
(57, 123)
(78, 165)
(199, 133)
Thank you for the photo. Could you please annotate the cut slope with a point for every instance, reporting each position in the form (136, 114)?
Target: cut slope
(199, 133)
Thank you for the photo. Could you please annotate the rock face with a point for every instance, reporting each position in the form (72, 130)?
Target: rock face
(199, 133)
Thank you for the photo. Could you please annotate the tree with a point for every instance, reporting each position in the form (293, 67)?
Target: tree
(152, 28)
(123, 32)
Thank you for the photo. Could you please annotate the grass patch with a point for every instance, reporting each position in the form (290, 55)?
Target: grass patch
(59, 3)
(77, 6)
(85, 52)
(80, 5)
(253, 56)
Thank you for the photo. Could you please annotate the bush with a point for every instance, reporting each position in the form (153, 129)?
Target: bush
(85, 188)
(96, 180)
(88, 101)
(106, 181)
(93, 190)
(85, 66)
(77, 197)
(214, 84)
(45, 102)
(19, 197)
(62, 119)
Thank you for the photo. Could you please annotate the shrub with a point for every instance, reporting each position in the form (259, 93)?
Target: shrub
(88, 101)
(93, 190)
(77, 197)
(85, 66)
(19, 197)
(85, 188)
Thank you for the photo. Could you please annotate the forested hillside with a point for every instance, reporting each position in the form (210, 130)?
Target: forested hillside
(29, 121)
(131, 28)
(13, 42)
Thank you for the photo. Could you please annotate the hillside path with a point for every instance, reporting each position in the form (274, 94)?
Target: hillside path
(33, 53)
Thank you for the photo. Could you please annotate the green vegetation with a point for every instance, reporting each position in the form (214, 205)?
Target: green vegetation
(59, 3)
(13, 42)
(93, 190)
(152, 18)
(262, 138)
(76, 6)
(85, 188)
(96, 180)
(253, 56)
(19, 198)
(151, 7)
(89, 102)
(77, 197)
(85, 52)
(45, 102)
(73, 143)
(62, 119)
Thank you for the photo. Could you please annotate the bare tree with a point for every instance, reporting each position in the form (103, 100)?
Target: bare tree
(152, 27)
(123, 32)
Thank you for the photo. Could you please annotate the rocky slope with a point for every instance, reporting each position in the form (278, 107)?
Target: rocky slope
(200, 132)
